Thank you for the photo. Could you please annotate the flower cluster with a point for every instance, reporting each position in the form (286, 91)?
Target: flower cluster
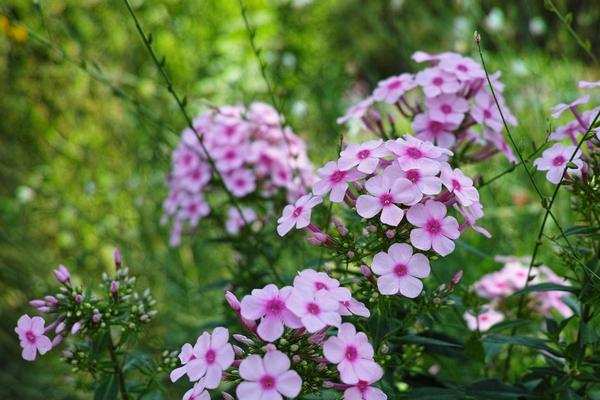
(404, 186)
(564, 158)
(449, 104)
(291, 349)
(77, 312)
(498, 286)
(253, 152)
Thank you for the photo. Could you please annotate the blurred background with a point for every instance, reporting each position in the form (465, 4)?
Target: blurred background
(87, 127)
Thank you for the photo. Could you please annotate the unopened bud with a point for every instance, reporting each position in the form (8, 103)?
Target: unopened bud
(96, 317)
(62, 274)
(477, 37)
(390, 233)
(37, 303)
(57, 340)
(78, 298)
(59, 328)
(117, 258)
(350, 254)
(233, 301)
(243, 339)
(51, 301)
(114, 288)
(340, 226)
(76, 328)
(296, 359)
(328, 385)
(366, 271)
(238, 351)
(227, 396)
(456, 278)
(371, 228)
(384, 348)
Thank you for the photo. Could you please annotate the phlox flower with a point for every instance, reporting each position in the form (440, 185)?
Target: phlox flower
(195, 178)
(555, 159)
(447, 108)
(434, 229)
(421, 56)
(439, 133)
(356, 111)
(185, 160)
(471, 214)
(193, 208)
(568, 131)
(269, 305)
(240, 182)
(363, 390)
(391, 89)
(483, 321)
(268, 378)
(588, 84)
(312, 281)
(228, 158)
(316, 310)
(414, 153)
(485, 111)
(335, 179)
(558, 109)
(263, 114)
(31, 337)
(461, 185)
(197, 392)
(436, 81)
(498, 141)
(464, 68)
(235, 222)
(353, 307)
(297, 214)
(210, 356)
(400, 270)
(365, 156)
(424, 179)
(353, 354)
(384, 194)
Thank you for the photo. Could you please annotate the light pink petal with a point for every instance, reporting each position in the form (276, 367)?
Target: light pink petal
(367, 206)
(367, 370)
(410, 287)
(213, 376)
(369, 165)
(400, 252)
(43, 344)
(338, 192)
(24, 323)
(225, 356)
(321, 187)
(430, 185)
(334, 349)
(392, 215)
(450, 228)
(405, 192)
(373, 393)
(420, 239)
(353, 393)
(276, 362)
(417, 215)
(388, 284)
(291, 320)
(29, 353)
(251, 368)
(442, 245)
(252, 307)
(196, 369)
(249, 391)
(303, 219)
(37, 325)
(347, 373)
(331, 318)
(270, 328)
(312, 323)
(219, 337)
(383, 263)
(436, 209)
(289, 384)
(376, 185)
(418, 266)
(178, 373)
(271, 395)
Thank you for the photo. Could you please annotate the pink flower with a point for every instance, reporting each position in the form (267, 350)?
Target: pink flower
(569, 131)
(391, 89)
(434, 229)
(297, 214)
(185, 160)
(558, 109)
(365, 156)
(471, 214)
(197, 392)
(193, 208)
(424, 179)
(312, 281)
(498, 141)
(356, 111)
(316, 310)
(435, 81)
(483, 321)
(334, 179)
(555, 159)
(353, 354)
(415, 153)
(31, 337)
(62, 274)
(235, 222)
(461, 185)
(485, 111)
(439, 133)
(269, 305)
(240, 182)
(353, 307)
(195, 178)
(588, 84)
(447, 108)
(268, 378)
(385, 193)
(207, 360)
(400, 270)
(464, 68)
(228, 158)
(364, 391)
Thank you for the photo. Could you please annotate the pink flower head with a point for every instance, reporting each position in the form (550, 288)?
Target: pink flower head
(391, 89)
(486, 112)
(439, 133)
(185, 160)
(195, 178)
(447, 108)
(240, 182)
(436, 81)
(484, 320)
(588, 84)
(384, 194)
(269, 305)
(268, 377)
(569, 131)
(210, 356)
(316, 310)
(353, 354)
(414, 153)
(62, 274)
(353, 307)
(235, 222)
(471, 214)
(464, 68)
(424, 179)
(558, 109)
(434, 229)
(228, 158)
(555, 159)
(400, 270)
(193, 208)
(461, 185)
(31, 337)
(335, 179)
(197, 392)
(312, 281)
(421, 56)
(365, 156)
(498, 141)
(297, 214)
(356, 111)
(364, 391)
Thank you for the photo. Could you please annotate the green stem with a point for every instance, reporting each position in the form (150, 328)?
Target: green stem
(118, 371)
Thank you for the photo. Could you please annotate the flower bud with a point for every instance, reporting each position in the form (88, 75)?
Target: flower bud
(296, 359)
(366, 271)
(340, 226)
(390, 233)
(51, 301)
(62, 274)
(243, 339)
(371, 228)
(233, 301)
(76, 328)
(96, 317)
(37, 303)
(78, 298)
(456, 278)
(238, 350)
(227, 396)
(114, 288)
(59, 328)
(117, 258)
(57, 340)
(350, 254)
(269, 347)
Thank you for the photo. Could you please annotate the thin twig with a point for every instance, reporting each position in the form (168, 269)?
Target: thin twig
(117, 368)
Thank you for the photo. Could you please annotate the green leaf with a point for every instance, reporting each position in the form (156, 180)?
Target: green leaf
(533, 343)
(427, 341)
(474, 348)
(546, 287)
(491, 389)
(434, 393)
(107, 388)
(323, 395)
(504, 325)
(582, 230)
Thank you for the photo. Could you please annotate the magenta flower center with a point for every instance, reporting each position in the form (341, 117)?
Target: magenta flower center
(30, 337)
(297, 212)
(313, 308)
(487, 114)
(187, 159)
(337, 176)
(196, 175)
(462, 68)
(320, 285)
(230, 155)
(433, 226)
(446, 108)
(395, 85)
(363, 154)
(351, 353)
(558, 161)
(362, 386)
(455, 184)
(192, 208)
(483, 318)
(386, 199)
(413, 175)
(210, 356)
(267, 382)
(413, 152)
(435, 127)
(240, 183)
(438, 81)
(400, 270)
(274, 306)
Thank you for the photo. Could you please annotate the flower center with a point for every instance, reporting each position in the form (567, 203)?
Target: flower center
(240, 183)
(230, 154)
(274, 306)
(362, 386)
(363, 154)
(435, 127)
(313, 308)
(433, 226)
(320, 285)
(297, 212)
(446, 108)
(395, 85)
(386, 199)
(351, 353)
(438, 81)
(413, 175)
(483, 318)
(210, 356)
(30, 336)
(487, 114)
(558, 161)
(400, 270)
(455, 184)
(413, 152)
(337, 176)
(267, 382)
(462, 68)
